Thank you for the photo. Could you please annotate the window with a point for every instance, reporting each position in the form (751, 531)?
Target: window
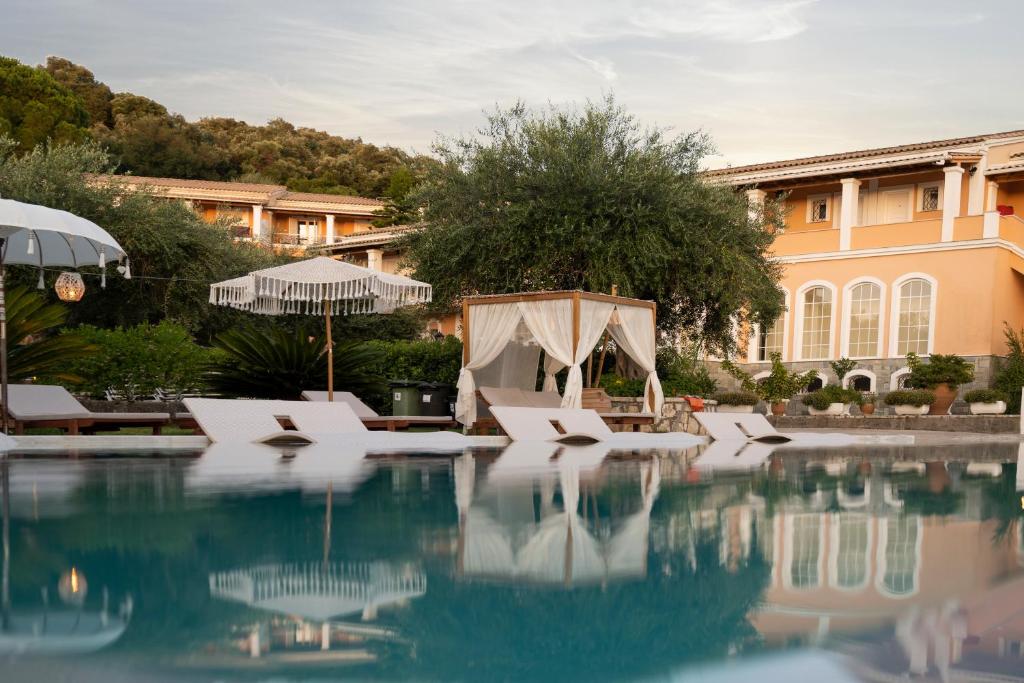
(816, 338)
(914, 321)
(865, 309)
(860, 383)
(770, 341)
(818, 209)
(901, 555)
(852, 553)
(929, 197)
(806, 546)
(814, 385)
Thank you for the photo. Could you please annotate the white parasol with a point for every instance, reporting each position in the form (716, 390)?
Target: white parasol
(320, 286)
(40, 236)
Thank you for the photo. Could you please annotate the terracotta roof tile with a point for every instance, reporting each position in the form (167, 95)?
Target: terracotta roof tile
(279, 192)
(879, 151)
(329, 198)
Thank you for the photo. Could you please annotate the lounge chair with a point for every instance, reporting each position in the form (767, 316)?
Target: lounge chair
(41, 405)
(753, 427)
(224, 420)
(579, 426)
(519, 398)
(374, 420)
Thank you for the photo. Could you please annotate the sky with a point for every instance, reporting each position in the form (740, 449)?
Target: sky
(767, 79)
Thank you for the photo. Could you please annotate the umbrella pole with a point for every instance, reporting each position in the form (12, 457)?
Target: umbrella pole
(330, 353)
(3, 345)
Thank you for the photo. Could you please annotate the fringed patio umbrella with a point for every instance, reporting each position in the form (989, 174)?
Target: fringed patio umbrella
(320, 286)
(40, 236)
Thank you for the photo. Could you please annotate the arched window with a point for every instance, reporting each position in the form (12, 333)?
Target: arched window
(815, 384)
(861, 380)
(816, 329)
(860, 383)
(864, 321)
(770, 340)
(913, 322)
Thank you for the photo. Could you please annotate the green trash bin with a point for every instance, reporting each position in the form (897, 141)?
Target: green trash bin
(434, 399)
(405, 397)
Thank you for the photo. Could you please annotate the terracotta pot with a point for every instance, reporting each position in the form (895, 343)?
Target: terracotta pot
(944, 397)
(779, 408)
(867, 409)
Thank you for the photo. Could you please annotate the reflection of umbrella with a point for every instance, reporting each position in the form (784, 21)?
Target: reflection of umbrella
(320, 591)
(40, 236)
(60, 632)
(318, 286)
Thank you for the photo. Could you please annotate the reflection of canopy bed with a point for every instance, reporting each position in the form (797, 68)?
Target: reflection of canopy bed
(557, 550)
(503, 336)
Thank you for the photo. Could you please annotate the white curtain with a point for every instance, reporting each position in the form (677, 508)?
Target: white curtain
(633, 332)
(515, 366)
(551, 368)
(551, 324)
(491, 326)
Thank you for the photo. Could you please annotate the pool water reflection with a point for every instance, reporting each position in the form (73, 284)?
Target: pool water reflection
(534, 563)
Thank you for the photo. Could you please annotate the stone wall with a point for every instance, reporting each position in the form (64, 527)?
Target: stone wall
(980, 424)
(675, 417)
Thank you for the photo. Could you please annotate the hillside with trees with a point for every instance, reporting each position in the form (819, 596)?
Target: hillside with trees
(64, 101)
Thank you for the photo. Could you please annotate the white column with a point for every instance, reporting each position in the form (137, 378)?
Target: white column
(257, 221)
(976, 189)
(375, 259)
(951, 200)
(848, 211)
(755, 202)
(992, 198)
(330, 228)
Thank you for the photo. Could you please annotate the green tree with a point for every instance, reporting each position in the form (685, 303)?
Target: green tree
(35, 108)
(1010, 375)
(586, 199)
(95, 96)
(174, 254)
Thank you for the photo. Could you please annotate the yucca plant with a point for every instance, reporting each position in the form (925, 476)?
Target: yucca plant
(30, 352)
(277, 363)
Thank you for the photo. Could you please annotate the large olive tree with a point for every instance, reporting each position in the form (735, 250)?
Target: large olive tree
(588, 198)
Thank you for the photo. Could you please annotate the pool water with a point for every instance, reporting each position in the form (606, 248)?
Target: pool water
(525, 565)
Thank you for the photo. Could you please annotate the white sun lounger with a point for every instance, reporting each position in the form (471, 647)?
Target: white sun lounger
(229, 421)
(43, 405)
(586, 426)
(259, 421)
(754, 427)
(371, 418)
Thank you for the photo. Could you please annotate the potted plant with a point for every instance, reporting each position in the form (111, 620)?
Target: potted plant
(778, 387)
(943, 374)
(736, 401)
(986, 401)
(830, 400)
(910, 401)
(867, 403)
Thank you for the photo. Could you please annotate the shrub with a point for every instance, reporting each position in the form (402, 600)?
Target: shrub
(682, 373)
(832, 393)
(940, 369)
(1010, 377)
(913, 397)
(134, 362)
(615, 385)
(842, 367)
(421, 360)
(779, 385)
(984, 396)
(281, 364)
(736, 398)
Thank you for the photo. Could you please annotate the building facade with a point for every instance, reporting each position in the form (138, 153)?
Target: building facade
(917, 248)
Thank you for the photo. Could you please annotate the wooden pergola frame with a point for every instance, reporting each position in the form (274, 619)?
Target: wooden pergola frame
(574, 295)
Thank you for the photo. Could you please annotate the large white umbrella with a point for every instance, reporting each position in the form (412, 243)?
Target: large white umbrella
(320, 286)
(40, 236)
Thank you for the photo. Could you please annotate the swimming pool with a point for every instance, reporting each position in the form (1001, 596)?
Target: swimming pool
(536, 564)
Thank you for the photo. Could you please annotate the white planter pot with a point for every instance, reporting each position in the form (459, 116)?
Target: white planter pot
(997, 408)
(833, 409)
(735, 409)
(911, 410)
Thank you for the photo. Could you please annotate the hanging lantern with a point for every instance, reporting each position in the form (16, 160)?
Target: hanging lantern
(70, 287)
(72, 587)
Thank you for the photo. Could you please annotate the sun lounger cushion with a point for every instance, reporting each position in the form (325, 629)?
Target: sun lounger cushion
(353, 401)
(44, 402)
